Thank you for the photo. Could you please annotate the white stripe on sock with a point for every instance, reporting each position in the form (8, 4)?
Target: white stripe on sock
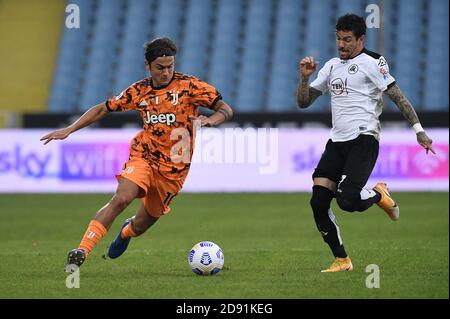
(333, 220)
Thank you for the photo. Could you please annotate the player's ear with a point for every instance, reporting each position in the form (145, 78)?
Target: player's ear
(147, 65)
(362, 38)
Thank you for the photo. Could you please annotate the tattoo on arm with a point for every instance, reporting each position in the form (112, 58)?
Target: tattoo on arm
(306, 94)
(403, 104)
(225, 113)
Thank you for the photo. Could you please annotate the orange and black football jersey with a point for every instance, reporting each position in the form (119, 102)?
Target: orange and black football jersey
(164, 110)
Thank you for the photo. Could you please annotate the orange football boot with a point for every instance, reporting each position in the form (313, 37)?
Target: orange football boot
(387, 203)
(340, 264)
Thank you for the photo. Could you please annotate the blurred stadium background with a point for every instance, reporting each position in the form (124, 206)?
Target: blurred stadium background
(248, 49)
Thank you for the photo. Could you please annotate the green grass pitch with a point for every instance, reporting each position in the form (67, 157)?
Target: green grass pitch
(272, 249)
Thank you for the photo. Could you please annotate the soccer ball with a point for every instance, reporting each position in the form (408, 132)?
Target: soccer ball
(206, 258)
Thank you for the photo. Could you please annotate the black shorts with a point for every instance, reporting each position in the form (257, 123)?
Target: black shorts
(349, 164)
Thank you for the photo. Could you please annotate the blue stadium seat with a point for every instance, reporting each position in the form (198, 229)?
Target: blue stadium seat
(169, 15)
(389, 45)
(372, 33)
(320, 39)
(255, 57)
(437, 59)
(99, 73)
(225, 55)
(408, 54)
(68, 70)
(320, 30)
(137, 31)
(234, 45)
(284, 73)
(351, 6)
(194, 54)
(389, 32)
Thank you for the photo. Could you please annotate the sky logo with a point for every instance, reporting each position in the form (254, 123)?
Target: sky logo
(96, 161)
(24, 162)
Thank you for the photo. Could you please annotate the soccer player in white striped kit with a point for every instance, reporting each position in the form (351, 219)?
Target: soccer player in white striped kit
(356, 81)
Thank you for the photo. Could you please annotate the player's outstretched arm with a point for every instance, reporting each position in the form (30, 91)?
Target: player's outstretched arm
(306, 94)
(223, 112)
(92, 115)
(396, 95)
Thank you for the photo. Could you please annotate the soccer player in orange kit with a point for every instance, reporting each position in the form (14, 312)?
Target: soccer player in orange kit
(168, 104)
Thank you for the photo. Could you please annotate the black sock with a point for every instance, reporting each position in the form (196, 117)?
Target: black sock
(364, 204)
(339, 252)
(377, 197)
(325, 219)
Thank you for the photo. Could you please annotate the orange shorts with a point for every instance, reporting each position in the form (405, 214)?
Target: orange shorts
(156, 191)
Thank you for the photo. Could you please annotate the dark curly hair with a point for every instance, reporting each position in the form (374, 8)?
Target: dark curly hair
(352, 22)
(159, 47)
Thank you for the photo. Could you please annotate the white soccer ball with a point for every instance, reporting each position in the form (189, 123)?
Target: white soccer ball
(206, 258)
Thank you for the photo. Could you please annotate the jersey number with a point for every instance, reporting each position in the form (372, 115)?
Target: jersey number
(169, 198)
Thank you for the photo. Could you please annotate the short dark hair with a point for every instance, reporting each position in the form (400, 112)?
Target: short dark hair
(159, 47)
(352, 22)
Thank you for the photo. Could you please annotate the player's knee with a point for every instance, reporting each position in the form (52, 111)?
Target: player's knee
(321, 199)
(346, 204)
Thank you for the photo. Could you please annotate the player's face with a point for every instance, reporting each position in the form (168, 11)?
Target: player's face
(161, 70)
(347, 44)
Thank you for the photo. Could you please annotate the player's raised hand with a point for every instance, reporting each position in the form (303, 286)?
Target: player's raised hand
(56, 135)
(425, 142)
(308, 66)
(203, 120)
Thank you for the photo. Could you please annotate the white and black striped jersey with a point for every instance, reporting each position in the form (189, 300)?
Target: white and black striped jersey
(356, 87)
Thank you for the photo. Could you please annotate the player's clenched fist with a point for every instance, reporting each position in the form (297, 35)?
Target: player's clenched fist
(308, 66)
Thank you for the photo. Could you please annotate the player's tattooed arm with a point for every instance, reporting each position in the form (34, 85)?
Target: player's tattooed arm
(306, 94)
(227, 112)
(223, 112)
(396, 95)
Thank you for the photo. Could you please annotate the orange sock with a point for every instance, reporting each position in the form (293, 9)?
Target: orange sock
(127, 232)
(94, 233)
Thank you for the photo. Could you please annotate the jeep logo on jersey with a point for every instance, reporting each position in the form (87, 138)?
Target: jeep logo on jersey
(352, 69)
(163, 118)
(338, 86)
